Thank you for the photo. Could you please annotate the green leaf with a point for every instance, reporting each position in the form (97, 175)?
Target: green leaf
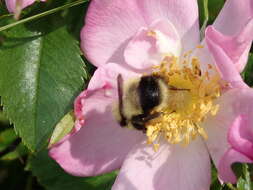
(215, 183)
(19, 151)
(243, 175)
(13, 177)
(248, 71)
(3, 120)
(247, 176)
(231, 186)
(51, 176)
(242, 184)
(62, 128)
(214, 7)
(41, 72)
(6, 138)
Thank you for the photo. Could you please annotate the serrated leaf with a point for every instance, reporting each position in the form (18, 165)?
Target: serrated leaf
(62, 128)
(51, 176)
(41, 72)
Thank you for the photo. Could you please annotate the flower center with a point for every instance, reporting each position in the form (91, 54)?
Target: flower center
(191, 100)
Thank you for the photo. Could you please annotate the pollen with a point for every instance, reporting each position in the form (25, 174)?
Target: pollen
(151, 33)
(190, 102)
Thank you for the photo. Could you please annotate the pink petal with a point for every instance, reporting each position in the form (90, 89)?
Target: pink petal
(217, 129)
(225, 171)
(170, 168)
(182, 14)
(232, 19)
(111, 24)
(233, 103)
(99, 146)
(237, 46)
(146, 50)
(223, 63)
(204, 57)
(140, 49)
(11, 4)
(107, 75)
(240, 136)
(108, 27)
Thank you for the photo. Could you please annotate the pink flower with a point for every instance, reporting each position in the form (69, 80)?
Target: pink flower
(15, 6)
(161, 37)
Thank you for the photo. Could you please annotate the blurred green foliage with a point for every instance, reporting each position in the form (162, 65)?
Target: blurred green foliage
(59, 180)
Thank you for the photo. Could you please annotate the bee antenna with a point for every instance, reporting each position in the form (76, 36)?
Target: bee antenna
(120, 95)
(178, 89)
(152, 116)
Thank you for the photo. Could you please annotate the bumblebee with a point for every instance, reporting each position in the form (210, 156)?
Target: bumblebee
(138, 98)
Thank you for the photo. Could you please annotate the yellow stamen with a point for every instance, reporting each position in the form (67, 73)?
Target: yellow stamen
(151, 33)
(200, 46)
(181, 121)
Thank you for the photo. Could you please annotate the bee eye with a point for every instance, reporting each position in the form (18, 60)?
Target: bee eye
(149, 93)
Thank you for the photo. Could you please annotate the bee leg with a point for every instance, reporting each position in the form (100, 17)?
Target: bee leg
(139, 121)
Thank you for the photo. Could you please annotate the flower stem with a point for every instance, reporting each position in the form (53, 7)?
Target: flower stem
(72, 4)
(206, 16)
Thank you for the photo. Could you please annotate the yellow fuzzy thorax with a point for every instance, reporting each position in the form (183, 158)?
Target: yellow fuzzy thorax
(189, 103)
